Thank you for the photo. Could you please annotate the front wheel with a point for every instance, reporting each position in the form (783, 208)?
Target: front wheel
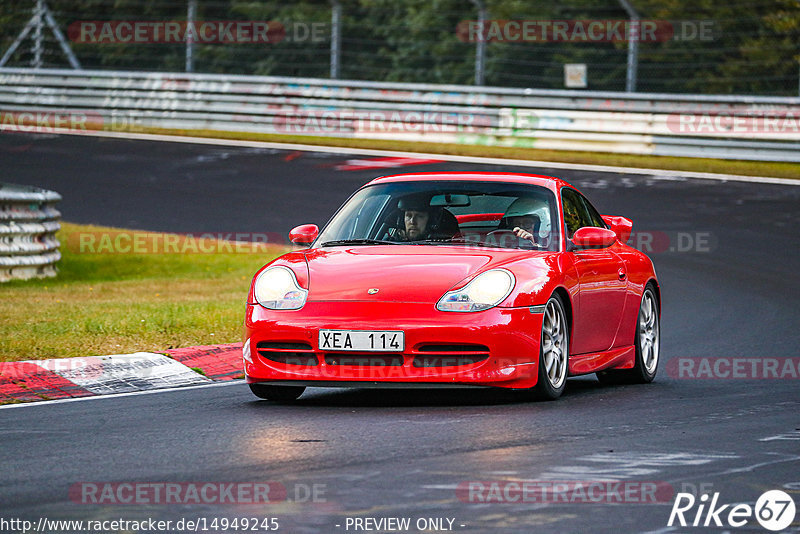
(277, 393)
(646, 343)
(553, 351)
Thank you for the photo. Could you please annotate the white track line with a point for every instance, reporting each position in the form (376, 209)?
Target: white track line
(117, 395)
(446, 157)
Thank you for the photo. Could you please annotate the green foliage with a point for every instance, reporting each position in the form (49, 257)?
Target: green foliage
(753, 48)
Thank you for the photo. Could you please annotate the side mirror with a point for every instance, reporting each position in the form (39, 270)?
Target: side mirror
(621, 226)
(591, 236)
(305, 234)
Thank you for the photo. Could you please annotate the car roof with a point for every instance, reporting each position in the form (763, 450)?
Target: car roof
(550, 182)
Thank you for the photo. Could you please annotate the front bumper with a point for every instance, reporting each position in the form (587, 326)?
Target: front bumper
(496, 347)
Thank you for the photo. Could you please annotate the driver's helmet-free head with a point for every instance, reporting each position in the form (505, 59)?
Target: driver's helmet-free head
(522, 208)
(441, 223)
(416, 202)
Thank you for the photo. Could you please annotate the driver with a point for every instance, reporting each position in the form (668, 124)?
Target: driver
(421, 221)
(416, 224)
(416, 211)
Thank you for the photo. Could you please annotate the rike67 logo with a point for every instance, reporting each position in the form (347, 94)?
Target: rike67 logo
(774, 510)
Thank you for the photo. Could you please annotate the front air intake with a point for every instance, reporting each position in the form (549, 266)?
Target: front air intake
(287, 353)
(450, 355)
(365, 360)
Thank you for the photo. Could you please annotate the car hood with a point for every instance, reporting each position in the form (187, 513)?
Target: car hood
(399, 273)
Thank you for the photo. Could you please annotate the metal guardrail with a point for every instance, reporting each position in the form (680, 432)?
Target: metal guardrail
(28, 226)
(716, 126)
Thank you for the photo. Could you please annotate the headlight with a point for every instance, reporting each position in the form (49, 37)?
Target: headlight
(277, 289)
(485, 291)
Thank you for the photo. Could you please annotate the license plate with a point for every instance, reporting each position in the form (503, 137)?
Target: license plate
(362, 340)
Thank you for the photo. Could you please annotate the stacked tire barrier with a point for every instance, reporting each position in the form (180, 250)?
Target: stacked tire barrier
(28, 226)
(710, 126)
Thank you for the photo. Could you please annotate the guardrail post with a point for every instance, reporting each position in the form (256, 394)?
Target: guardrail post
(28, 226)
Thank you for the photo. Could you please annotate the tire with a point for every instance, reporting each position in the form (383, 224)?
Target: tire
(553, 351)
(647, 344)
(277, 393)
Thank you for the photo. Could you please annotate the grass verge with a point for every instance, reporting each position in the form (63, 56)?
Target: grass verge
(116, 303)
(747, 168)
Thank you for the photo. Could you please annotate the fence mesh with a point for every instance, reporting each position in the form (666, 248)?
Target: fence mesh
(701, 46)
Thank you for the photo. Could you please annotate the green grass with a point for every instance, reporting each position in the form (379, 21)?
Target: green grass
(114, 303)
(747, 168)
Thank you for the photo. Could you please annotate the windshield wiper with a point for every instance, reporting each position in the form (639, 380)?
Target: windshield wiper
(429, 242)
(462, 241)
(357, 242)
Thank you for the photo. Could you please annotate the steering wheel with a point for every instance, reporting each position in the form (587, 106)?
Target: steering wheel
(506, 237)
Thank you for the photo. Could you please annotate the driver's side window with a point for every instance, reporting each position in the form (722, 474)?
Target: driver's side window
(575, 213)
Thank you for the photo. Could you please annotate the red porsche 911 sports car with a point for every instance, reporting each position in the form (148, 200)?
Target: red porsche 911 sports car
(455, 279)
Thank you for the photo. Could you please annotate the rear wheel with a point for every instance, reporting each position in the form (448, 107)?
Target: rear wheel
(553, 351)
(276, 393)
(646, 343)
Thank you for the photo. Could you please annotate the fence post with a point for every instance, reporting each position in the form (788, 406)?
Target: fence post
(38, 26)
(336, 37)
(480, 46)
(633, 46)
(191, 15)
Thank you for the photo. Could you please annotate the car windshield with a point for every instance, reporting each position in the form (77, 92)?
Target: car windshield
(469, 213)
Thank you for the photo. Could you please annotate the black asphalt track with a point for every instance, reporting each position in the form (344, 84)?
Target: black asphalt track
(730, 286)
